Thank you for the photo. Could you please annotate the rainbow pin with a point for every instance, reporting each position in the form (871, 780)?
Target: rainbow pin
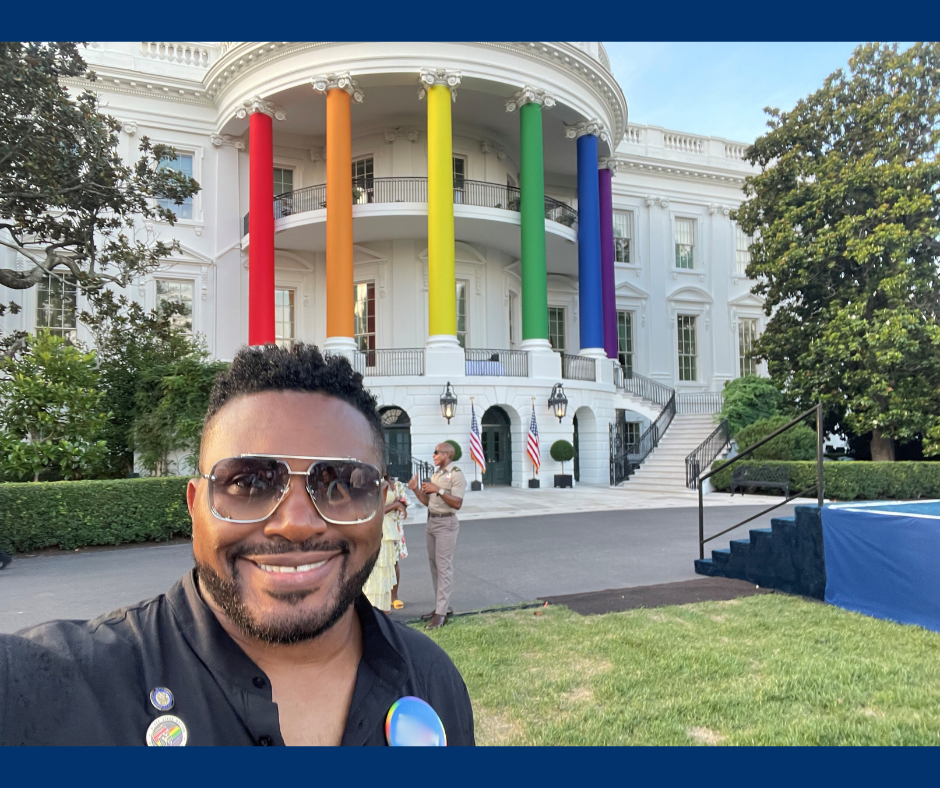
(411, 722)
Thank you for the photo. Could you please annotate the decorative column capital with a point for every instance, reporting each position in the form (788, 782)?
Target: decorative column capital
(714, 208)
(488, 146)
(529, 95)
(257, 104)
(607, 163)
(340, 81)
(318, 154)
(438, 76)
(592, 126)
(218, 140)
(409, 133)
(129, 127)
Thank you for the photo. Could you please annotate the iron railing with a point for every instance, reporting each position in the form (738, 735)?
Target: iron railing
(706, 453)
(390, 362)
(818, 486)
(498, 363)
(413, 189)
(578, 367)
(702, 403)
(402, 462)
(627, 459)
(641, 386)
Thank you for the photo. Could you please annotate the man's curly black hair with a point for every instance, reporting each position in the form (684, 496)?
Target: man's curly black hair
(299, 368)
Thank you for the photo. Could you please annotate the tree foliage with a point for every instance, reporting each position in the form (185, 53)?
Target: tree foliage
(51, 412)
(745, 400)
(562, 451)
(797, 443)
(67, 201)
(845, 215)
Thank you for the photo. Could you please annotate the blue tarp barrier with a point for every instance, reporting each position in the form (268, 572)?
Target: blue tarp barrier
(883, 560)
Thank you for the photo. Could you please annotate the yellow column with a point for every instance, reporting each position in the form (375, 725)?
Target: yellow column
(442, 286)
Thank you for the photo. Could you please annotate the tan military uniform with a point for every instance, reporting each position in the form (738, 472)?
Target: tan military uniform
(442, 533)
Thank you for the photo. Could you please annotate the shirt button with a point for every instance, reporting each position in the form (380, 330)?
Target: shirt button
(258, 681)
(265, 741)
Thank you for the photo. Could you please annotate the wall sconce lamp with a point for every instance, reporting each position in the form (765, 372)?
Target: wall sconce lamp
(558, 402)
(448, 403)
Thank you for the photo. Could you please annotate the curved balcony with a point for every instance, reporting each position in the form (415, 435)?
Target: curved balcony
(371, 191)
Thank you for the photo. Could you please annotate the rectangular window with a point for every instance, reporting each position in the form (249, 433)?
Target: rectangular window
(363, 181)
(462, 312)
(556, 328)
(631, 432)
(623, 237)
(747, 335)
(184, 164)
(460, 177)
(625, 340)
(177, 291)
(364, 319)
(512, 320)
(742, 251)
(283, 186)
(685, 242)
(284, 317)
(57, 307)
(687, 353)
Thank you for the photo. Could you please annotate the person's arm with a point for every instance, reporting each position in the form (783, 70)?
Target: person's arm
(420, 494)
(452, 500)
(458, 488)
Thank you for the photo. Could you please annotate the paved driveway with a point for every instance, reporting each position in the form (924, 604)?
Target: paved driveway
(499, 562)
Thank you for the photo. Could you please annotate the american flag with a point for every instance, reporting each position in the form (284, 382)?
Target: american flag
(476, 447)
(532, 443)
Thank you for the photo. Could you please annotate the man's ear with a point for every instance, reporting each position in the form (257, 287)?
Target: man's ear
(191, 491)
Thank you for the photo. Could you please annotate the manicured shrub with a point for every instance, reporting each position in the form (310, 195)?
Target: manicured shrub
(797, 443)
(78, 514)
(562, 451)
(854, 481)
(747, 399)
(458, 453)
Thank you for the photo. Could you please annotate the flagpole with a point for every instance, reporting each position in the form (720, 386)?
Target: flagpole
(533, 464)
(474, 461)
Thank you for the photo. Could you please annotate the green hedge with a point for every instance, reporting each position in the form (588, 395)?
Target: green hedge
(77, 514)
(851, 481)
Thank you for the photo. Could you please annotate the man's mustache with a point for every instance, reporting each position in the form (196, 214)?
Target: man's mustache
(280, 548)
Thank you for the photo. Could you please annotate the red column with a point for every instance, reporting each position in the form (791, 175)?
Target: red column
(261, 230)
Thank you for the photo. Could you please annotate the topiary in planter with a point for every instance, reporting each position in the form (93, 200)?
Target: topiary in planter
(457, 451)
(562, 451)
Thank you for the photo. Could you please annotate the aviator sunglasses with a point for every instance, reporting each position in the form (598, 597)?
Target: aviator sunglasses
(249, 488)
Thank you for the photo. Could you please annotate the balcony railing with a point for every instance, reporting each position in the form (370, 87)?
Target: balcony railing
(497, 363)
(578, 367)
(707, 402)
(367, 191)
(641, 386)
(390, 362)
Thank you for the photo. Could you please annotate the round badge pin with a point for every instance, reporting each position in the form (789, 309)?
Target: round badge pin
(162, 699)
(167, 731)
(411, 722)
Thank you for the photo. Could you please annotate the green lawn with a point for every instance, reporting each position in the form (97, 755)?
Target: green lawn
(770, 669)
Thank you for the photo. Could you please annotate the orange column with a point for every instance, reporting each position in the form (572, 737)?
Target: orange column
(340, 91)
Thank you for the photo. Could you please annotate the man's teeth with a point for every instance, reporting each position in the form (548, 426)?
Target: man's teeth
(301, 568)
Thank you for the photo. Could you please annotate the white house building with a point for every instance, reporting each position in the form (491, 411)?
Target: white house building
(475, 214)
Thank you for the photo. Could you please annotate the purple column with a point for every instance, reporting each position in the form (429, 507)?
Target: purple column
(608, 281)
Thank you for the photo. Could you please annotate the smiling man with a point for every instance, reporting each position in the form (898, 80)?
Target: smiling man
(269, 639)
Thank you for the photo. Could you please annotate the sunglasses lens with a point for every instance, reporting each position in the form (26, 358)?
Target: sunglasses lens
(345, 492)
(247, 489)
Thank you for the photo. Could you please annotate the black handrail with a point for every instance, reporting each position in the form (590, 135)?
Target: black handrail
(415, 189)
(626, 461)
(706, 402)
(578, 367)
(642, 387)
(819, 486)
(705, 454)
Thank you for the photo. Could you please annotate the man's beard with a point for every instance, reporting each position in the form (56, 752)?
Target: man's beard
(290, 628)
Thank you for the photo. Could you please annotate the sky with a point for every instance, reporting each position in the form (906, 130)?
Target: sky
(717, 89)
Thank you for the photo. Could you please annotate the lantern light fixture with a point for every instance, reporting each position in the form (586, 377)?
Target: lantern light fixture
(558, 402)
(448, 403)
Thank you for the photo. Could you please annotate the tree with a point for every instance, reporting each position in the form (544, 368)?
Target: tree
(51, 418)
(746, 399)
(562, 451)
(130, 343)
(67, 201)
(797, 443)
(845, 216)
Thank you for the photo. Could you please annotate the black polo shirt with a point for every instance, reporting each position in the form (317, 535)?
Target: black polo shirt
(89, 682)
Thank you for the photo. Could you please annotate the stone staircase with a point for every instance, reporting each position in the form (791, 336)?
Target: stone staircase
(664, 470)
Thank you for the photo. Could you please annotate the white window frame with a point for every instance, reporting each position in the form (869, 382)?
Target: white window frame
(750, 319)
(68, 281)
(632, 337)
(369, 185)
(739, 253)
(375, 305)
(514, 338)
(697, 367)
(196, 152)
(693, 247)
(564, 327)
(460, 193)
(282, 341)
(190, 280)
(631, 246)
(466, 310)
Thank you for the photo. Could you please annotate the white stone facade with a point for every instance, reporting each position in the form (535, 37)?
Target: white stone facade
(187, 95)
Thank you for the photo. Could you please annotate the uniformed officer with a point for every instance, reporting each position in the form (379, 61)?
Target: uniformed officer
(443, 495)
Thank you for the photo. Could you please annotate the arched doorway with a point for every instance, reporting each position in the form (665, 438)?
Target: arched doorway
(396, 426)
(495, 435)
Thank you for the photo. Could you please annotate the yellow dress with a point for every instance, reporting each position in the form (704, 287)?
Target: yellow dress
(378, 588)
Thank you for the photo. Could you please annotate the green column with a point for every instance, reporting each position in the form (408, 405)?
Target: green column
(532, 208)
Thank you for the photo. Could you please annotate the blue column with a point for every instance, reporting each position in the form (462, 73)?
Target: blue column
(590, 288)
